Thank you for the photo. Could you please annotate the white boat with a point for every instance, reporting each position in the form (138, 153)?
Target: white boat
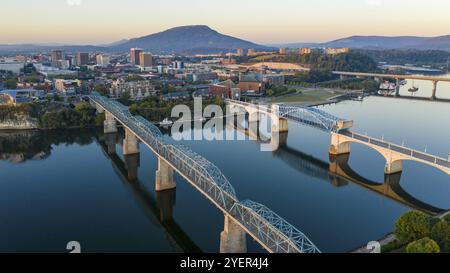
(166, 122)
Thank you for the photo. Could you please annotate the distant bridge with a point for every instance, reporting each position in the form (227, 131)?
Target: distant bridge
(398, 77)
(270, 230)
(341, 136)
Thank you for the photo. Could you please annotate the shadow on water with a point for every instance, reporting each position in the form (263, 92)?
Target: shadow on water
(22, 146)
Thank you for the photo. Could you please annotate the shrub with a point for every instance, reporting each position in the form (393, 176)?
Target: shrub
(412, 226)
(441, 234)
(447, 218)
(424, 245)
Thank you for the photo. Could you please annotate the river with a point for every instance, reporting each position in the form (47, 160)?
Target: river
(57, 187)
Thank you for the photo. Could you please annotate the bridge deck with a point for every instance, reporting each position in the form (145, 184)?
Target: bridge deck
(414, 154)
(266, 227)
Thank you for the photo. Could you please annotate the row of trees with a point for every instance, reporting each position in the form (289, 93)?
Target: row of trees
(422, 233)
(81, 116)
(352, 84)
(411, 56)
(155, 109)
(352, 61)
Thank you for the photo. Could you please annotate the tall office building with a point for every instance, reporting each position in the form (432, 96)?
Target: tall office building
(146, 59)
(57, 55)
(240, 52)
(103, 60)
(82, 59)
(282, 51)
(134, 56)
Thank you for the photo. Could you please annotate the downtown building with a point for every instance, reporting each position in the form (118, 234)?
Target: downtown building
(82, 59)
(135, 54)
(136, 89)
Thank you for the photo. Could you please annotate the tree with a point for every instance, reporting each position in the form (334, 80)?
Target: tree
(125, 98)
(447, 218)
(412, 226)
(101, 89)
(424, 245)
(11, 84)
(441, 234)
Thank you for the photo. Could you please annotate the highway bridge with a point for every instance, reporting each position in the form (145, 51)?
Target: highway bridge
(397, 77)
(267, 228)
(339, 172)
(341, 135)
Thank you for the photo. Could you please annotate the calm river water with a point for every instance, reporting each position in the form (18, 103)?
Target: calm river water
(57, 187)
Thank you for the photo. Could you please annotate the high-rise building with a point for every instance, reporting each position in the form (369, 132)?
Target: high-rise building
(304, 51)
(146, 59)
(57, 55)
(82, 59)
(240, 52)
(134, 56)
(282, 51)
(250, 52)
(103, 60)
(178, 65)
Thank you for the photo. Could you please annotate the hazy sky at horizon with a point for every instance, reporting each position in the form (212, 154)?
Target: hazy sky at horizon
(261, 21)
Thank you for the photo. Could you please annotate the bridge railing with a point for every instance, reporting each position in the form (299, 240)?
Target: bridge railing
(270, 229)
(400, 149)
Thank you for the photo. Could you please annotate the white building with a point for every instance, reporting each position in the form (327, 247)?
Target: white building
(68, 87)
(137, 89)
(103, 60)
(11, 65)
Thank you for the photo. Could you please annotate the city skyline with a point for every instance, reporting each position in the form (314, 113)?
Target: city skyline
(102, 22)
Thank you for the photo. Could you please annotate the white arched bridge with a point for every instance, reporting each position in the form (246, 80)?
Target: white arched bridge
(270, 230)
(341, 135)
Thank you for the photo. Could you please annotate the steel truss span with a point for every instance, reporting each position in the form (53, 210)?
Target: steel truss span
(266, 227)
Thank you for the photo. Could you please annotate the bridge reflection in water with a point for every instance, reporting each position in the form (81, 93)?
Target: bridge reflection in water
(338, 171)
(159, 211)
(241, 217)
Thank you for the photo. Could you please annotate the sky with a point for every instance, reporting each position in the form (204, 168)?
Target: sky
(261, 21)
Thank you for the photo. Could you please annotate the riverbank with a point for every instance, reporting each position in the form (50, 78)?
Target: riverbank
(49, 116)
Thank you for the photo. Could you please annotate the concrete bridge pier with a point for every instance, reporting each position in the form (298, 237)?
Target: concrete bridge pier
(433, 95)
(110, 124)
(164, 176)
(130, 143)
(278, 140)
(166, 200)
(232, 238)
(132, 163)
(393, 166)
(278, 124)
(339, 145)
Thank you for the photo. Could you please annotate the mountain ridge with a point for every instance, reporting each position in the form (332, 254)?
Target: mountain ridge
(383, 42)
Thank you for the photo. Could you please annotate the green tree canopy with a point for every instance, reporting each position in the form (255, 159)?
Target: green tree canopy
(412, 226)
(441, 234)
(424, 245)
